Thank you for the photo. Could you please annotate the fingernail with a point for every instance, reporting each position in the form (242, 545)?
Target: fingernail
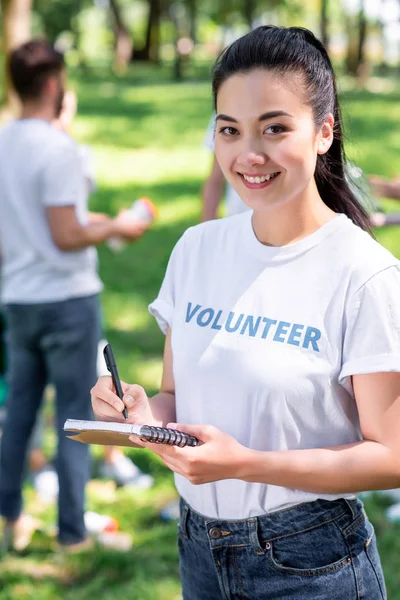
(129, 401)
(119, 406)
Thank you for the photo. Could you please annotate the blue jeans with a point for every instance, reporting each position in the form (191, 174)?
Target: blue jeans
(56, 343)
(314, 551)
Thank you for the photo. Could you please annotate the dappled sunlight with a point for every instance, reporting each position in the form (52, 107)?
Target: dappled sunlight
(148, 166)
(126, 315)
(150, 373)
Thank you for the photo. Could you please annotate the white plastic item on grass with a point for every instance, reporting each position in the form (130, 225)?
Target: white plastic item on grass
(393, 513)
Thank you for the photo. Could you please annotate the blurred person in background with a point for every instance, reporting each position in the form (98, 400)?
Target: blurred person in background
(216, 186)
(115, 465)
(385, 188)
(50, 288)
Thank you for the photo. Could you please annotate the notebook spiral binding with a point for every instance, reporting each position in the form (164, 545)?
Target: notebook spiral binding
(163, 435)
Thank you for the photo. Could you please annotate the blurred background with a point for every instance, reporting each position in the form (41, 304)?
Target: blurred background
(141, 72)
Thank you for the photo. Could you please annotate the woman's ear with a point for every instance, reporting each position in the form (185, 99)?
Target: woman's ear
(326, 135)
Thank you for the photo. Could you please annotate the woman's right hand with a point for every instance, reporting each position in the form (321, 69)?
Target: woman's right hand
(107, 406)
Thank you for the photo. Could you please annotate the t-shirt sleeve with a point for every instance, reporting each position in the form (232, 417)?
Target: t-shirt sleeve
(371, 341)
(62, 178)
(162, 308)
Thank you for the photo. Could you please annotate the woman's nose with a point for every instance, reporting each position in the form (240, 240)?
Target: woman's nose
(250, 158)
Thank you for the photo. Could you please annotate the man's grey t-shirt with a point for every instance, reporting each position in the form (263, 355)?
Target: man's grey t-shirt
(40, 167)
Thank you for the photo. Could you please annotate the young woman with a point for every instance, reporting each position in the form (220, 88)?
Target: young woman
(282, 350)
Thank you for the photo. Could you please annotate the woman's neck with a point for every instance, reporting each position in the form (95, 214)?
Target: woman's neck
(292, 221)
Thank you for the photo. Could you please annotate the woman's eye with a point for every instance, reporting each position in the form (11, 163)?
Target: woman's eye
(275, 129)
(228, 131)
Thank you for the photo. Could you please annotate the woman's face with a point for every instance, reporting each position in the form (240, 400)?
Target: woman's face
(266, 141)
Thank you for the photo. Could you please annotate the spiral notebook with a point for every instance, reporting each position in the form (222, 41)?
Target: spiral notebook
(104, 433)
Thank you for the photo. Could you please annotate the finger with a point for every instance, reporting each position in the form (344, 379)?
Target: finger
(104, 411)
(102, 391)
(134, 395)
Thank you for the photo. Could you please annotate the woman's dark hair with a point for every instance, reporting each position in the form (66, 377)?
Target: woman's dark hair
(295, 50)
(31, 64)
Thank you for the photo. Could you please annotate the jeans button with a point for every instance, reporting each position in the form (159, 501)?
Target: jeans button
(215, 533)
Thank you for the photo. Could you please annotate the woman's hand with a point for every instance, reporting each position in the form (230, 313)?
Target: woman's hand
(218, 456)
(107, 406)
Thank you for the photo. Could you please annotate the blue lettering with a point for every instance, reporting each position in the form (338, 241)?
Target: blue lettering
(191, 312)
(295, 332)
(210, 315)
(282, 328)
(253, 328)
(268, 322)
(233, 328)
(311, 337)
(216, 325)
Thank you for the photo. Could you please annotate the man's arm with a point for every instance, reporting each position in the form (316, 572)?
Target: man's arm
(69, 234)
(212, 192)
(384, 188)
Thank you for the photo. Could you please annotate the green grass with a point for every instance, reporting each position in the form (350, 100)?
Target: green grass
(146, 135)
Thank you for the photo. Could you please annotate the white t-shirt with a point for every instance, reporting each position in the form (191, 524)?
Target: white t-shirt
(234, 203)
(265, 339)
(40, 166)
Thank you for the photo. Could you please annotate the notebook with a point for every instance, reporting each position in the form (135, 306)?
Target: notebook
(103, 433)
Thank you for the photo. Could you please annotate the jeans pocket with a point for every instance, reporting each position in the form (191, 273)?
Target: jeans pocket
(314, 552)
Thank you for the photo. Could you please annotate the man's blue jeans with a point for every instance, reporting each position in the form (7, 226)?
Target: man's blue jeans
(56, 343)
(314, 551)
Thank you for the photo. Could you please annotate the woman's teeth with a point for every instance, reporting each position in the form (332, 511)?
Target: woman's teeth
(260, 179)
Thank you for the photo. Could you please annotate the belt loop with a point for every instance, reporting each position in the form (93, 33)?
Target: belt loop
(352, 504)
(253, 535)
(183, 521)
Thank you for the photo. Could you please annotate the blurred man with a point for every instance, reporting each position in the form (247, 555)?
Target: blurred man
(50, 287)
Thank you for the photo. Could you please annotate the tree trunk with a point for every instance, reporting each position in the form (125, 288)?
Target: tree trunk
(249, 8)
(362, 33)
(324, 24)
(151, 48)
(192, 10)
(363, 69)
(16, 31)
(123, 39)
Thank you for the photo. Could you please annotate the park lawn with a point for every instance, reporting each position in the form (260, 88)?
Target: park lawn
(146, 135)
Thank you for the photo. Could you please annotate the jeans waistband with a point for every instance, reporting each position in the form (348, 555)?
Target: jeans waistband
(268, 527)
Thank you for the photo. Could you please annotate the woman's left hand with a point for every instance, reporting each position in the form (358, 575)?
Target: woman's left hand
(218, 455)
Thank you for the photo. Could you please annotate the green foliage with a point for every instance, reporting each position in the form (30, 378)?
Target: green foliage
(58, 16)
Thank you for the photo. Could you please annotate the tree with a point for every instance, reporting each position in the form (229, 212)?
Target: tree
(249, 12)
(151, 49)
(57, 16)
(356, 60)
(324, 23)
(123, 38)
(192, 10)
(362, 33)
(16, 30)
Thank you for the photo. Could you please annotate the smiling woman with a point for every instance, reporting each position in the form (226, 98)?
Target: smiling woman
(282, 352)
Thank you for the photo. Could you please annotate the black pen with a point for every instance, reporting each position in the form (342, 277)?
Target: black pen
(112, 367)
